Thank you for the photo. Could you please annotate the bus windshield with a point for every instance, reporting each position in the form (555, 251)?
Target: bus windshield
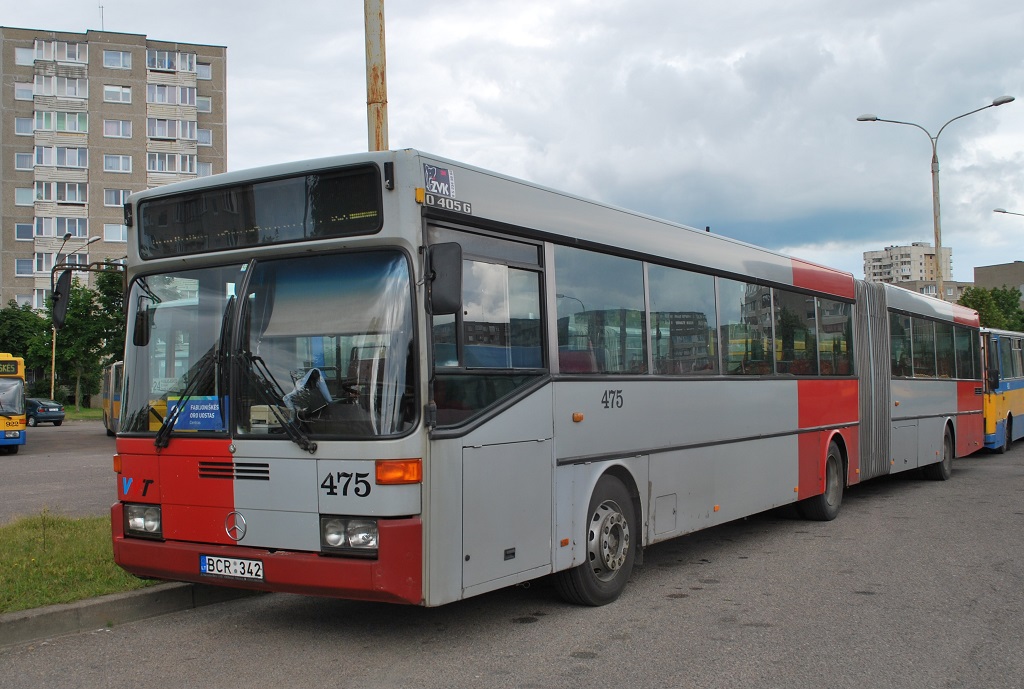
(12, 396)
(316, 346)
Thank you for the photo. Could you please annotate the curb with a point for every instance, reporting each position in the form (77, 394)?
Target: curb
(24, 626)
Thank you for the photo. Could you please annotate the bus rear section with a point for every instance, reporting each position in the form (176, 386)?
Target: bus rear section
(12, 403)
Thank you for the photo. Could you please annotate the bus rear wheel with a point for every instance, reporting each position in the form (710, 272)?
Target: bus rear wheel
(942, 470)
(1007, 435)
(611, 528)
(825, 507)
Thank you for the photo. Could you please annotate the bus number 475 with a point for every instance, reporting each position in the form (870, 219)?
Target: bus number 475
(343, 480)
(612, 399)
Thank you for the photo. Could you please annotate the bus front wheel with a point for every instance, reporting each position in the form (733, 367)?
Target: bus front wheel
(943, 469)
(611, 530)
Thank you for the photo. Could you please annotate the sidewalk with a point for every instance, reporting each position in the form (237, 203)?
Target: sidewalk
(25, 626)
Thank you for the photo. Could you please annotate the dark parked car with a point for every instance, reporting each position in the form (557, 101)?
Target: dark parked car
(43, 411)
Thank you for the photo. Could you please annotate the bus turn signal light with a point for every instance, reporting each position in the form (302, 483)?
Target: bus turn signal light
(117, 464)
(577, 416)
(396, 472)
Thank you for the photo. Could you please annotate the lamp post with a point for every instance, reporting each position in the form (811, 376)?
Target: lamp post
(1003, 210)
(53, 340)
(1002, 100)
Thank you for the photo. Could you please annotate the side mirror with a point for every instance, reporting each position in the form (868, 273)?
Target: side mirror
(444, 278)
(61, 299)
(143, 326)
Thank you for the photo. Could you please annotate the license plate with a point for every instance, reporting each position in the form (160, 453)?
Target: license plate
(231, 567)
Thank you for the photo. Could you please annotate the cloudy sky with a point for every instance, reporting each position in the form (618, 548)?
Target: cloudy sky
(736, 115)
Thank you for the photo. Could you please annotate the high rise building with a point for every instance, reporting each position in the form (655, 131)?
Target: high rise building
(914, 263)
(87, 119)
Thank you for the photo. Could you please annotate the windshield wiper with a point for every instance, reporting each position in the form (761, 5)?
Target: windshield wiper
(210, 362)
(271, 394)
(206, 367)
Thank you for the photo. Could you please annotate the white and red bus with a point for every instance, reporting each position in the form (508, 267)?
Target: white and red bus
(395, 377)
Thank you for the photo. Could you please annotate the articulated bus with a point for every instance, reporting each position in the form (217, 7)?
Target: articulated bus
(1004, 388)
(110, 394)
(12, 403)
(395, 377)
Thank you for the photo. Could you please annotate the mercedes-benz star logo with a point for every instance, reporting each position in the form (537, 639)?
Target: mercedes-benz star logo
(234, 526)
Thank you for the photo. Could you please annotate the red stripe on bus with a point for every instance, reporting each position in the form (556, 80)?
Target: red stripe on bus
(965, 316)
(970, 428)
(821, 279)
(394, 577)
(823, 404)
(194, 507)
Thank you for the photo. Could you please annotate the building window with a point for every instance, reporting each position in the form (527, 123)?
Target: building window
(204, 169)
(186, 62)
(162, 60)
(23, 126)
(44, 227)
(23, 231)
(44, 121)
(205, 137)
(43, 262)
(117, 94)
(24, 161)
(45, 155)
(115, 233)
(44, 191)
(161, 162)
(24, 267)
(72, 192)
(23, 300)
(72, 122)
(117, 163)
(162, 93)
(72, 52)
(117, 59)
(117, 129)
(39, 298)
(23, 91)
(161, 129)
(72, 88)
(203, 71)
(72, 157)
(78, 227)
(25, 56)
(204, 104)
(24, 196)
(115, 198)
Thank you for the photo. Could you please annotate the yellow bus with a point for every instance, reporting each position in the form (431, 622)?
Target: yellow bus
(110, 393)
(12, 403)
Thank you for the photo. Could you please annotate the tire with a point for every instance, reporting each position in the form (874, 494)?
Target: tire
(32, 421)
(1007, 436)
(611, 550)
(942, 470)
(13, 449)
(57, 423)
(825, 507)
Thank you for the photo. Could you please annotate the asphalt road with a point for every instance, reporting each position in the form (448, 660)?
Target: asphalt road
(65, 470)
(916, 584)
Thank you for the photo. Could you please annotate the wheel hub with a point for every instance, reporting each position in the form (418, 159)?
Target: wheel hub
(609, 540)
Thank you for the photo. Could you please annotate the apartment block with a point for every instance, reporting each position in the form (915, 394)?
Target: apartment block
(87, 119)
(914, 263)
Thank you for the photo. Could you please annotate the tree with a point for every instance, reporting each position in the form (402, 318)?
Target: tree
(982, 301)
(1007, 300)
(79, 343)
(20, 327)
(110, 300)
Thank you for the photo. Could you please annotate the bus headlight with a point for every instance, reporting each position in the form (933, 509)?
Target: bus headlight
(143, 520)
(354, 537)
(12, 434)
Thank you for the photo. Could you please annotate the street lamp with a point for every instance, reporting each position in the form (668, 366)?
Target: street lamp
(1003, 210)
(1002, 100)
(53, 340)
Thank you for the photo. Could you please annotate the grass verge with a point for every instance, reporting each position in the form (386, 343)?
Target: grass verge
(87, 414)
(48, 559)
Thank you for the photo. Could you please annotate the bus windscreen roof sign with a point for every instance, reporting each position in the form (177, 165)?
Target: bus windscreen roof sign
(320, 205)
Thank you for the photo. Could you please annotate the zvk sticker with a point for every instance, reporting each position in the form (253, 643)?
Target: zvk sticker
(439, 180)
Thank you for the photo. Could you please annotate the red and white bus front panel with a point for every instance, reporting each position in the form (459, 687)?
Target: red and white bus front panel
(253, 520)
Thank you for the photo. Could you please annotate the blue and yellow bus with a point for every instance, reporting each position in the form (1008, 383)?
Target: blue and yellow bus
(12, 403)
(1004, 388)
